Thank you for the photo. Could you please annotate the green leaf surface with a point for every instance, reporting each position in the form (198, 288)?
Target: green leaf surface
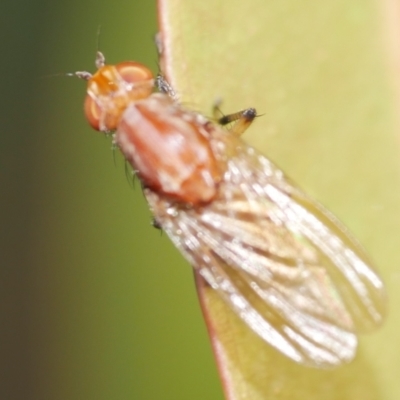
(323, 75)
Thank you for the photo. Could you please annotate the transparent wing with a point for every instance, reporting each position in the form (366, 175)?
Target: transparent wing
(281, 261)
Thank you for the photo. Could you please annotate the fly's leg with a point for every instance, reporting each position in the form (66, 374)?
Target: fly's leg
(164, 87)
(241, 120)
(159, 44)
(161, 83)
(155, 224)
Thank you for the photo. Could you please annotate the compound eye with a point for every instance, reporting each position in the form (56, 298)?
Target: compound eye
(133, 72)
(139, 78)
(92, 112)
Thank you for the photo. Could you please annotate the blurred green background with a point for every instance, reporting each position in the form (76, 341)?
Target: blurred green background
(95, 304)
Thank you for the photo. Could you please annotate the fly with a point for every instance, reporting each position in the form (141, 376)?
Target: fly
(283, 263)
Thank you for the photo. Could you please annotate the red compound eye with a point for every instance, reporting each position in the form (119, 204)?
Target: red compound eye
(134, 72)
(92, 112)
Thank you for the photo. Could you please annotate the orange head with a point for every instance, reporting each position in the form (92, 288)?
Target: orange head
(111, 88)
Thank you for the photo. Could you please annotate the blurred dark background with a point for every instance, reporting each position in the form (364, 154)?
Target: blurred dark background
(95, 304)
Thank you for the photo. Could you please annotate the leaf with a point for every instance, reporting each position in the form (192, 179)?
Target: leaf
(323, 77)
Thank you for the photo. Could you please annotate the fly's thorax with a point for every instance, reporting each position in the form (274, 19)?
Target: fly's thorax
(170, 149)
(111, 89)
